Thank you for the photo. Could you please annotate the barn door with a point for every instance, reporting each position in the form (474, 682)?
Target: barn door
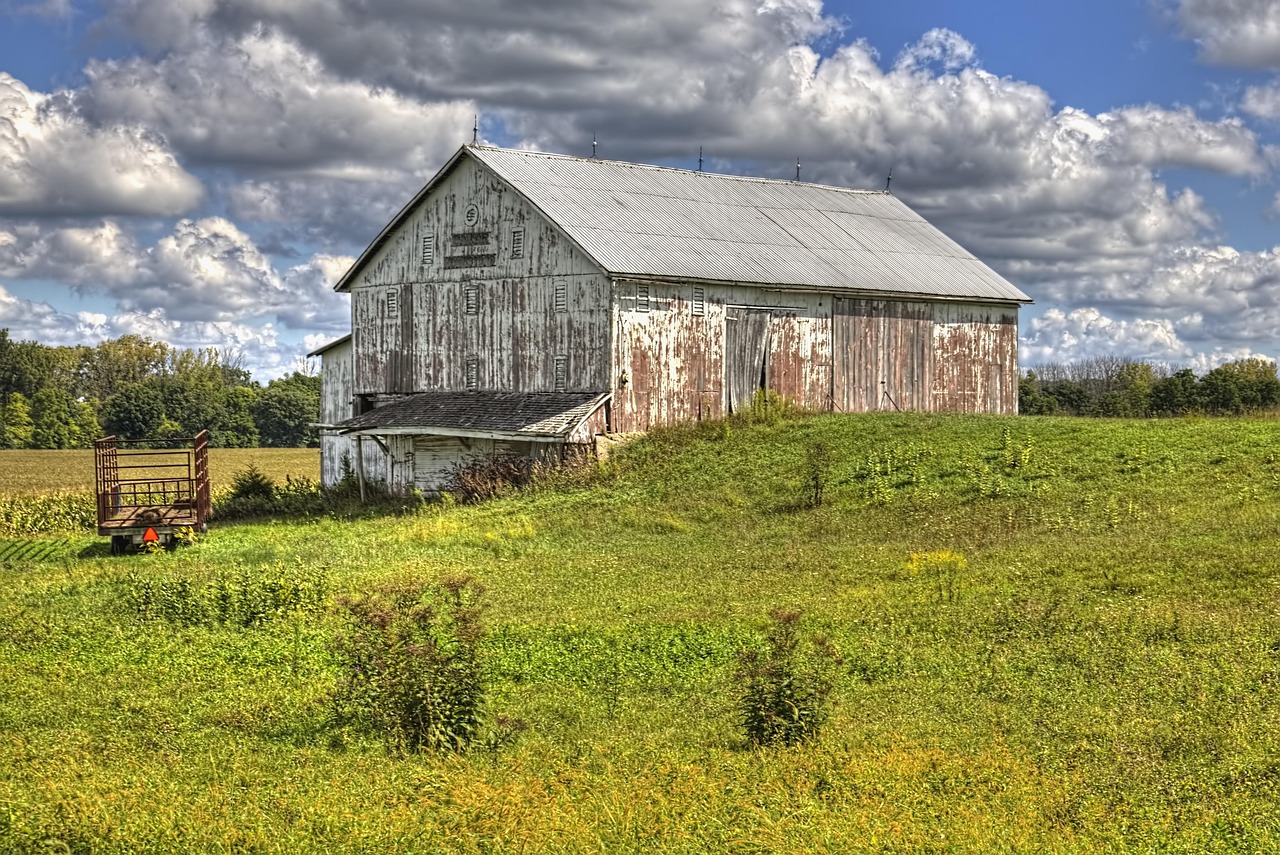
(746, 355)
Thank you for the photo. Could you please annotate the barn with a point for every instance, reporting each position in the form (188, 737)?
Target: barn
(527, 302)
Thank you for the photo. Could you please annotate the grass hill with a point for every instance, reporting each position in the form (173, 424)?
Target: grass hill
(1057, 635)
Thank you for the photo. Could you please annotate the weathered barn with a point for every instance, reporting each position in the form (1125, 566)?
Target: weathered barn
(522, 301)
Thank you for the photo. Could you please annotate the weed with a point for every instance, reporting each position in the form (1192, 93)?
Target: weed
(940, 568)
(480, 478)
(247, 598)
(784, 686)
(410, 667)
(817, 473)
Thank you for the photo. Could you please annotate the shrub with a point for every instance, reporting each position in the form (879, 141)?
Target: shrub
(409, 667)
(785, 685)
(252, 483)
(479, 478)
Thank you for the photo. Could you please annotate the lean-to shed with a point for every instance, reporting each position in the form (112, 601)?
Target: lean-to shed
(526, 301)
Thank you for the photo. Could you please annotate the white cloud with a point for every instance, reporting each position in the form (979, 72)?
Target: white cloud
(1243, 33)
(263, 353)
(1262, 101)
(54, 162)
(260, 102)
(206, 271)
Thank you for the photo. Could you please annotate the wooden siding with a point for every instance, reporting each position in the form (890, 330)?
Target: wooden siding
(509, 305)
(682, 362)
(975, 354)
(336, 403)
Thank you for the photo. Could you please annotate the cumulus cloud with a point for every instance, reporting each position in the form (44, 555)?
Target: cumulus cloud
(1262, 102)
(260, 102)
(206, 271)
(1060, 337)
(260, 345)
(1219, 293)
(55, 162)
(1244, 33)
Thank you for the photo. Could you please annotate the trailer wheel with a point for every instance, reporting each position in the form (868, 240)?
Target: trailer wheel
(119, 544)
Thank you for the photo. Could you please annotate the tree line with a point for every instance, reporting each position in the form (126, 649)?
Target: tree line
(1114, 386)
(136, 388)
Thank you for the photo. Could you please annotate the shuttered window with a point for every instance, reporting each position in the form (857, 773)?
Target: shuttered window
(473, 372)
(642, 298)
(471, 299)
(517, 243)
(562, 373)
(393, 303)
(428, 249)
(699, 303)
(562, 296)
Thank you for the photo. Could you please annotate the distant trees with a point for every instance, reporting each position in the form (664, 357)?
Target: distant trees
(66, 397)
(1109, 386)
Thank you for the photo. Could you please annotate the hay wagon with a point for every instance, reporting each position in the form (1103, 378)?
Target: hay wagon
(149, 491)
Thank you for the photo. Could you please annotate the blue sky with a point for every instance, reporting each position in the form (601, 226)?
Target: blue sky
(201, 171)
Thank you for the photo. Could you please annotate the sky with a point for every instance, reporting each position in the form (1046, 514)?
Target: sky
(202, 171)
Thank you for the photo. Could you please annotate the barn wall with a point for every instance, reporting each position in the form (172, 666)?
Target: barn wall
(677, 363)
(336, 397)
(952, 357)
(975, 353)
(476, 275)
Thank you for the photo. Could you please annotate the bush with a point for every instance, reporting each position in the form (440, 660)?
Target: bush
(253, 483)
(784, 686)
(480, 478)
(409, 664)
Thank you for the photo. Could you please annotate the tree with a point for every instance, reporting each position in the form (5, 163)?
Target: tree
(1177, 394)
(284, 413)
(235, 427)
(135, 412)
(117, 363)
(84, 424)
(1033, 402)
(18, 426)
(51, 412)
(1245, 385)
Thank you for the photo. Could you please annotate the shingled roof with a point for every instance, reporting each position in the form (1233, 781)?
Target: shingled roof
(518, 415)
(652, 221)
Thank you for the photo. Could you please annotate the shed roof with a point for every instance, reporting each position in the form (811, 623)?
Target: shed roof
(519, 415)
(653, 221)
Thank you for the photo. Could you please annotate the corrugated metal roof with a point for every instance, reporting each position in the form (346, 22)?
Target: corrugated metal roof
(651, 221)
(518, 413)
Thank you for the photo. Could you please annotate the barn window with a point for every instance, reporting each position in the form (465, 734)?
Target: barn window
(473, 372)
(699, 303)
(471, 299)
(517, 243)
(428, 249)
(562, 373)
(393, 303)
(562, 296)
(642, 298)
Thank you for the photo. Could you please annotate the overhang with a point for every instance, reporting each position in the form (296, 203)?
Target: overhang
(519, 416)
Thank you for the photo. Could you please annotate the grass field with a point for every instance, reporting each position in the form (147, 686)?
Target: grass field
(1100, 673)
(53, 471)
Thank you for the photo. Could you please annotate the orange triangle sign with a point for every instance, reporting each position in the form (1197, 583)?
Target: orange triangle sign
(150, 536)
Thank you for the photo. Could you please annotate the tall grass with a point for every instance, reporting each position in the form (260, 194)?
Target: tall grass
(1057, 635)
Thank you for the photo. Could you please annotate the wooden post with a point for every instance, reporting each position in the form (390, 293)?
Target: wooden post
(360, 464)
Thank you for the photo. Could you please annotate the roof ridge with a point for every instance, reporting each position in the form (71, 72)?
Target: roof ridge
(753, 179)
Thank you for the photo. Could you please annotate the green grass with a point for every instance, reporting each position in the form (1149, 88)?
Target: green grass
(1099, 673)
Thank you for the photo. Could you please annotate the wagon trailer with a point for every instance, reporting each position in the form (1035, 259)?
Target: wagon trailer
(149, 490)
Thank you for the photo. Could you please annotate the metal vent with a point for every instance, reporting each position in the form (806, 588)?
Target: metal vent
(471, 300)
(562, 373)
(393, 303)
(428, 249)
(562, 296)
(699, 303)
(642, 298)
(517, 243)
(473, 372)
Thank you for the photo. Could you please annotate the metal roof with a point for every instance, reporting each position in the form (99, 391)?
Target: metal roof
(520, 414)
(652, 221)
(660, 222)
